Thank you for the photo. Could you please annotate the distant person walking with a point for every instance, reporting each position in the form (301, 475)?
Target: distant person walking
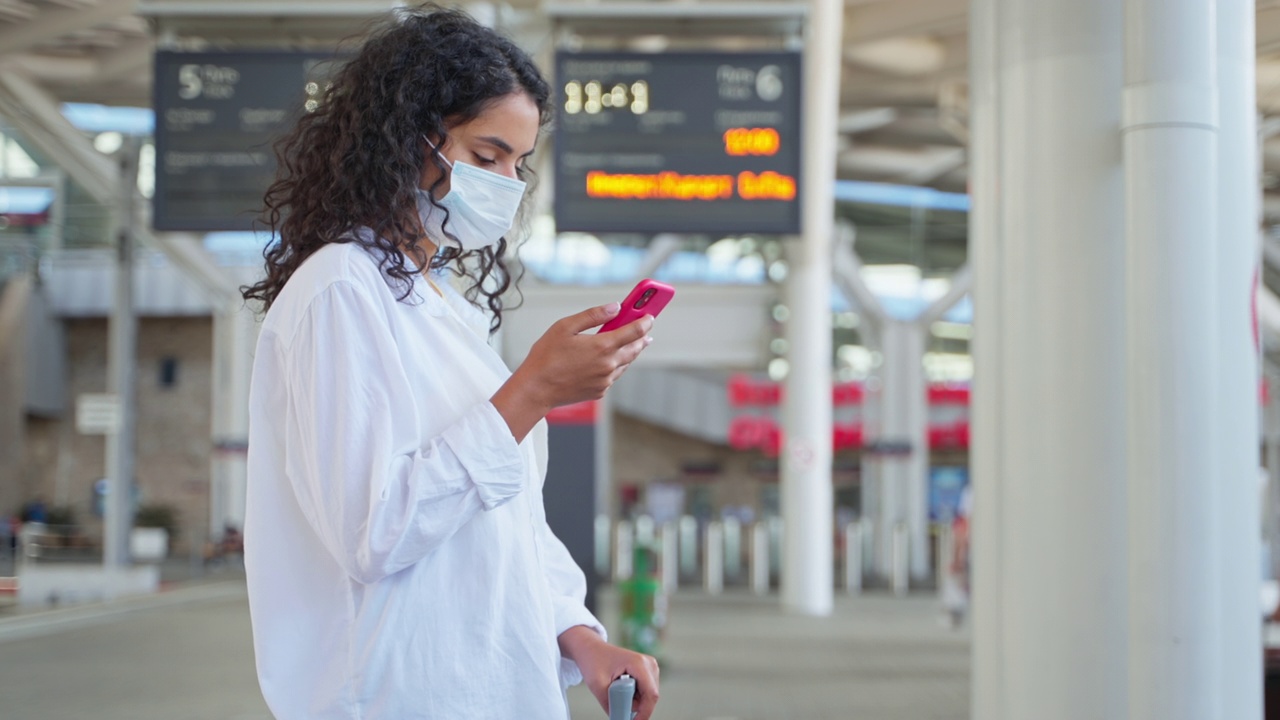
(957, 579)
(397, 551)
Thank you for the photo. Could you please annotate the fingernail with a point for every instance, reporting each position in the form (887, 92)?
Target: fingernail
(612, 308)
(648, 341)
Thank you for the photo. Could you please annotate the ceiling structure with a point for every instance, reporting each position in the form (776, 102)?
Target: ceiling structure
(904, 80)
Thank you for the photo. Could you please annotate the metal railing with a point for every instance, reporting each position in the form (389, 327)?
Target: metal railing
(724, 553)
(43, 543)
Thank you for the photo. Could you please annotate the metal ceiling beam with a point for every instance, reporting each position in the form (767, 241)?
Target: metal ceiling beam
(627, 17)
(36, 114)
(961, 284)
(945, 162)
(53, 24)
(865, 89)
(189, 255)
(897, 18)
(126, 61)
(902, 164)
(860, 121)
(48, 68)
(847, 268)
(264, 8)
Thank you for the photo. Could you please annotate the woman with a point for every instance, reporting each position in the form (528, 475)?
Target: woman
(397, 551)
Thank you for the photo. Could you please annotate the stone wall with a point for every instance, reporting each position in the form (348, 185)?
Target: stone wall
(714, 476)
(173, 432)
(644, 453)
(14, 483)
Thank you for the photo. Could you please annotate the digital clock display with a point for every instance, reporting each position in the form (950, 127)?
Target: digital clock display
(678, 142)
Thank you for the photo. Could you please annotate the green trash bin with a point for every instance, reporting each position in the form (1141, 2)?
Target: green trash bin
(644, 607)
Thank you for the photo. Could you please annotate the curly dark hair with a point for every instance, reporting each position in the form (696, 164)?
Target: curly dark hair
(356, 159)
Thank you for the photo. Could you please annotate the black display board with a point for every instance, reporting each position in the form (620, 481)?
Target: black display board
(217, 115)
(569, 495)
(678, 142)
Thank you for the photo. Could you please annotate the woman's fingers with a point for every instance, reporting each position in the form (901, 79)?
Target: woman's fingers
(646, 688)
(626, 356)
(628, 333)
(589, 318)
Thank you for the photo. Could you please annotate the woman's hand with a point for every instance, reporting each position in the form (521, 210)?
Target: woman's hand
(566, 366)
(602, 663)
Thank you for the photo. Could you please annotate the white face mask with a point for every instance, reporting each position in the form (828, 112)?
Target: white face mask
(482, 207)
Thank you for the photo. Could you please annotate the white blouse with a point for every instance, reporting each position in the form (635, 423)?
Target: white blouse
(398, 556)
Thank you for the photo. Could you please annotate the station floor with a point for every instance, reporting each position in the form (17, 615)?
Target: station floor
(186, 654)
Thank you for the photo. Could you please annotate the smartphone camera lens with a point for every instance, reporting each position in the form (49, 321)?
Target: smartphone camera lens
(644, 299)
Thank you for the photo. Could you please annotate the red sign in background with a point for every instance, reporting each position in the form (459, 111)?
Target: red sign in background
(762, 432)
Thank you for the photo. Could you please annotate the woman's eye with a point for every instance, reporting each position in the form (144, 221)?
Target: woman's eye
(485, 161)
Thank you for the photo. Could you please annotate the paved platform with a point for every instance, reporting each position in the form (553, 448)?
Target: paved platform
(187, 654)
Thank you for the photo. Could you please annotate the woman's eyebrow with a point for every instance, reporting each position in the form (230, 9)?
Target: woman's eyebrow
(497, 142)
(501, 144)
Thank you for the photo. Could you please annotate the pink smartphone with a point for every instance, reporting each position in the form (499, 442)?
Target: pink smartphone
(648, 297)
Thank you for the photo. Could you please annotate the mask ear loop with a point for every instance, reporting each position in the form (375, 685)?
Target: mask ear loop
(448, 164)
(436, 149)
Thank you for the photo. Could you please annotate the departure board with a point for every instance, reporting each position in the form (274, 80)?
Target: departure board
(678, 142)
(217, 116)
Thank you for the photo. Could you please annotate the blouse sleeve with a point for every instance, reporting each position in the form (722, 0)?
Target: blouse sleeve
(380, 497)
(568, 596)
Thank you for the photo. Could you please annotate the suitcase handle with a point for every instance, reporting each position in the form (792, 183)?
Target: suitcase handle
(621, 693)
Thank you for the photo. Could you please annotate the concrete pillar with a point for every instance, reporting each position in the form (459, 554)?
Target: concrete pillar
(713, 555)
(1171, 185)
(624, 549)
(15, 296)
(853, 557)
(807, 582)
(760, 566)
(1049, 411)
(1237, 413)
(903, 420)
(122, 351)
(234, 338)
(986, 257)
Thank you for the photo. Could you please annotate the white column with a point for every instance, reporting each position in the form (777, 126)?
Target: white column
(603, 544)
(605, 493)
(1049, 441)
(732, 548)
(688, 546)
(901, 544)
(121, 366)
(760, 558)
(245, 337)
(946, 552)
(1171, 187)
(668, 561)
(1237, 414)
(986, 257)
(234, 337)
(881, 467)
(713, 554)
(903, 401)
(853, 557)
(624, 549)
(806, 462)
